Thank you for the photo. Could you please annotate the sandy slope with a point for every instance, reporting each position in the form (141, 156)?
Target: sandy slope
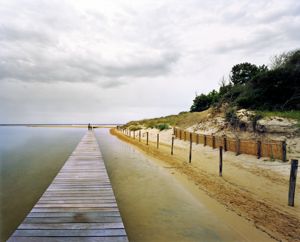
(254, 189)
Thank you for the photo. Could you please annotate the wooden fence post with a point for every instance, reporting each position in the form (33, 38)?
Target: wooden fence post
(225, 144)
(258, 149)
(184, 135)
(139, 135)
(213, 141)
(293, 177)
(220, 160)
(134, 134)
(147, 141)
(157, 141)
(283, 150)
(204, 144)
(172, 146)
(190, 155)
(237, 146)
(180, 134)
(197, 137)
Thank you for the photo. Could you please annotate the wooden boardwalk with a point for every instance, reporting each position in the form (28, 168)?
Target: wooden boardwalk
(79, 205)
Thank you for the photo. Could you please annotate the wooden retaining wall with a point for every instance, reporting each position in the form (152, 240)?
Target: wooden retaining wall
(260, 148)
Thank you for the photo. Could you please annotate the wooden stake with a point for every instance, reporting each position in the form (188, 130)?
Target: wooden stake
(225, 144)
(258, 149)
(213, 141)
(139, 135)
(204, 144)
(293, 177)
(283, 150)
(220, 160)
(157, 141)
(172, 146)
(134, 134)
(190, 155)
(147, 142)
(237, 146)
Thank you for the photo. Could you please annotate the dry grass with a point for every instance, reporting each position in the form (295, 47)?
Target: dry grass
(182, 120)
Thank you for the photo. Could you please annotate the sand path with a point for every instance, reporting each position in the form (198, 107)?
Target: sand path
(254, 189)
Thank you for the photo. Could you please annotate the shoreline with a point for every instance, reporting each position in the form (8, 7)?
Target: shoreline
(262, 203)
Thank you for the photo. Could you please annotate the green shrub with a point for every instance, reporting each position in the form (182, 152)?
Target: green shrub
(254, 118)
(203, 102)
(135, 127)
(231, 117)
(162, 126)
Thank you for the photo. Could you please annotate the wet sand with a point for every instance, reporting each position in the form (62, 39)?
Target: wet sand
(157, 206)
(257, 195)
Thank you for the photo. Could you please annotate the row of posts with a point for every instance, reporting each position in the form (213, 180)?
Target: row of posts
(183, 135)
(128, 133)
(293, 171)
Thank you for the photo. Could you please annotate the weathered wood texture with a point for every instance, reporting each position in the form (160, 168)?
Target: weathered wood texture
(266, 148)
(79, 205)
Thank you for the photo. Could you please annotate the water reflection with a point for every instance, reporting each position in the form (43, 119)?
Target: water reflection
(153, 204)
(29, 160)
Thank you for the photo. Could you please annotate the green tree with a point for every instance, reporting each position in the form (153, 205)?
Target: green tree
(244, 72)
(203, 102)
(279, 88)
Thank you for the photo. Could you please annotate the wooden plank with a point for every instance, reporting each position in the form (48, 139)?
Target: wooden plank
(73, 201)
(75, 219)
(79, 210)
(69, 239)
(88, 215)
(101, 225)
(62, 205)
(79, 205)
(73, 232)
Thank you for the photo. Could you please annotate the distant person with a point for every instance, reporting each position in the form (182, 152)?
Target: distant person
(89, 127)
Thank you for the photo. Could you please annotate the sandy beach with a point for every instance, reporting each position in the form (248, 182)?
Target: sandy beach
(256, 190)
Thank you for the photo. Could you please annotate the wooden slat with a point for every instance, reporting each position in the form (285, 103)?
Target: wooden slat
(69, 232)
(69, 239)
(79, 205)
(107, 225)
(89, 215)
(75, 219)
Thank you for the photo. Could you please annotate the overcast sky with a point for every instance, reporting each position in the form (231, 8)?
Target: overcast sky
(114, 61)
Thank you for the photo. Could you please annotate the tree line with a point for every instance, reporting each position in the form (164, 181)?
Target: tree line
(258, 87)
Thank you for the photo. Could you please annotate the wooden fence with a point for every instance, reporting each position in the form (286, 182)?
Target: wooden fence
(260, 148)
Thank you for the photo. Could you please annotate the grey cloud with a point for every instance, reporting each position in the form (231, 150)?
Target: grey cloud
(250, 13)
(62, 46)
(259, 41)
(111, 84)
(12, 34)
(73, 68)
(293, 10)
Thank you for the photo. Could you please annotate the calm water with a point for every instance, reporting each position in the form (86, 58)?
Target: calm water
(29, 160)
(153, 204)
